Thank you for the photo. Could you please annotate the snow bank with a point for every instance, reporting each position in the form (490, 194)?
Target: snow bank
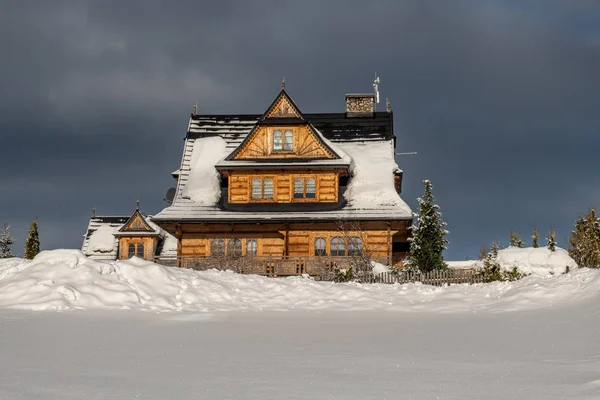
(66, 279)
(540, 261)
(203, 183)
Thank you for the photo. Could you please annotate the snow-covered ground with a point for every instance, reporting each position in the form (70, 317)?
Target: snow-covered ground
(259, 338)
(66, 279)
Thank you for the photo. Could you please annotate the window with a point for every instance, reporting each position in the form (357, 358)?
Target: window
(257, 188)
(277, 144)
(140, 250)
(234, 248)
(354, 246)
(298, 188)
(251, 247)
(288, 143)
(320, 249)
(217, 247)
(131, 252)
(268, 188)
(338, 247)
(305, 188)
(262, 188)
(311, 188)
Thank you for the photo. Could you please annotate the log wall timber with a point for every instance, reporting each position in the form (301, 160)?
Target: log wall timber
(326, 190)
(293, 239)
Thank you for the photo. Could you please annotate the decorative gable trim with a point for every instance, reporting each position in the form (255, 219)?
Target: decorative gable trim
(283, 107)
(137, 224)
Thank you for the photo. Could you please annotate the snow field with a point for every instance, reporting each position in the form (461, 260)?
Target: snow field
(66, 279)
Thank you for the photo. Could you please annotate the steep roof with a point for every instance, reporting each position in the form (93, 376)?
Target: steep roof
(363, 144)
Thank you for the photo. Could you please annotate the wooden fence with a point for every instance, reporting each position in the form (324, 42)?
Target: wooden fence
(322, 269)
(436, 278)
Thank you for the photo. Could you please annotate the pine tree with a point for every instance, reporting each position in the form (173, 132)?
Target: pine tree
(534, 239)
(6, 240)
(515, 239)
(32, 244)
(427, 242)
(551, 238)
(585, 241)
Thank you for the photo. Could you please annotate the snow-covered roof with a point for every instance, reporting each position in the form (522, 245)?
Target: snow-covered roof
(101, 239)
(369, 195)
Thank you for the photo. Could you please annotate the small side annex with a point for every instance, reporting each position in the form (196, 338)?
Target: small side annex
(122, 237)
(287, 184)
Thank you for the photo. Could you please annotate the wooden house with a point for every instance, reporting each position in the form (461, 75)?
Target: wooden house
(285, 184)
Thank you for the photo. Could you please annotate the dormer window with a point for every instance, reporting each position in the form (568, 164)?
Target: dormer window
(277, 143)
(288, 143)
(283, 142)
(262, 189)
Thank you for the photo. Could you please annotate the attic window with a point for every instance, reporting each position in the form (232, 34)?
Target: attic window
(277, 143)
(288, 143)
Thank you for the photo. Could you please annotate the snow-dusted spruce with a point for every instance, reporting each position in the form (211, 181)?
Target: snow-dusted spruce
(535, 238)
(427, 243)
(32, 244)
(6, 240)
(585, 241)
(551, 240)
(515, 240)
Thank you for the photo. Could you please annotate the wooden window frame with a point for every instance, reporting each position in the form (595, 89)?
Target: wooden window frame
(285, 141)
(283, 131)
(262, 198)
(140, 248)
(304, 179)
(131, 247)
(320, 252)
(343, 243)
(254, 247)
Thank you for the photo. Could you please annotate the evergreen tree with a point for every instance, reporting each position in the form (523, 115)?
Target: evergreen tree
(427, 242)
(515, 239)
(551, 240)
(585, 241)
(32, 244)
(6, 240)
(534, 239)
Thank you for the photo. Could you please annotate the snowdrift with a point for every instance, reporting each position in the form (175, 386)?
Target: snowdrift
(66, 279)
(530, 261)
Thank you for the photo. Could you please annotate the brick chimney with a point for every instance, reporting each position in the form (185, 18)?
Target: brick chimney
(360, 105)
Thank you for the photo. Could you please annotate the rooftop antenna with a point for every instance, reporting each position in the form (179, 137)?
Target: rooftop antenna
(376, 89)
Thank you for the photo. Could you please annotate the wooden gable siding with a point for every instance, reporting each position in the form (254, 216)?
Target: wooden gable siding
(305, 144)
(137, 223)
(283, 108)
(240, 186)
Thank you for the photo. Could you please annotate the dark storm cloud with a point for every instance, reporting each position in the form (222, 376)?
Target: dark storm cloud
(499, 98)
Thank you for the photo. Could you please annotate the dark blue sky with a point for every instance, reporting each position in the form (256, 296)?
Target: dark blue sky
(501, 99)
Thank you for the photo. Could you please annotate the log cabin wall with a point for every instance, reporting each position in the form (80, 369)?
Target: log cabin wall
(326, 191)
(293, 240)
